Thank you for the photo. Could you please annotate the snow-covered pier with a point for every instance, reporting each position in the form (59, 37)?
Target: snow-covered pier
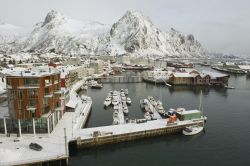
(131, 131)
(15, 150)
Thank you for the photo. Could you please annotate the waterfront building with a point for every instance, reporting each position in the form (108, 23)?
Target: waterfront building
(35, 101)
(217, 78)
(198, 78)
(156, 76)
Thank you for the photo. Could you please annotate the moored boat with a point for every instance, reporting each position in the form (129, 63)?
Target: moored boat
(115, 102)
(147, 116)
(126, 91)
(125, 110)
(128, 100)
(192, 130)
(143, 103)
(107, 101)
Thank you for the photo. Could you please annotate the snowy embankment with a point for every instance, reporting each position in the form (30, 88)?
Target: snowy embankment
(2, 85)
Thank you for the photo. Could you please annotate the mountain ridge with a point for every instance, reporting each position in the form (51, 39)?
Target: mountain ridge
(133, 34)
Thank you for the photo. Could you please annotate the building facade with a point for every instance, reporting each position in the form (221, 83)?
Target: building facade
(35, 100)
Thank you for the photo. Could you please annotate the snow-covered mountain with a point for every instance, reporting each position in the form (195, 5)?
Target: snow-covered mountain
(61, 34)
(135, 33)
(10, 37)
(132, 34)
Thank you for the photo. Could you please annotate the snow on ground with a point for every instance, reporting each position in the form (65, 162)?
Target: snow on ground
(2, 85)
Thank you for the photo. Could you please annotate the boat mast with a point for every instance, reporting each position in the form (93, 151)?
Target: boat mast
(200, 106)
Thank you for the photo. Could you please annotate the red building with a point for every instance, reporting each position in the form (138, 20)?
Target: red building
(35, 94)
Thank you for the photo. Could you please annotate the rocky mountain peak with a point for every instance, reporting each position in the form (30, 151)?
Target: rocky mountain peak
(51, 16)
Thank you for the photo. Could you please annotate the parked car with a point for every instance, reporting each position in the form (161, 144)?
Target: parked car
(35, 146)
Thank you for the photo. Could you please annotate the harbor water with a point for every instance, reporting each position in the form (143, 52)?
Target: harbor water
(225, 141)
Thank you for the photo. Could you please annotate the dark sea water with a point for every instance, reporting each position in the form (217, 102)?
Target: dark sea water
(225, 142)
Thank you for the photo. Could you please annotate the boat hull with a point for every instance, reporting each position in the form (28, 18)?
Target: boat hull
(189, 131)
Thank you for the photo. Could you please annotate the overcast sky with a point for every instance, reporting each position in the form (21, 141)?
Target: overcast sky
(220, 25)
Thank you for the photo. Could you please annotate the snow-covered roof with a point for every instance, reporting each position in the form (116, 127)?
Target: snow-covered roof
(185, 112)
(244, 67)
(213, 74)
(71, 103)
(33, 72)
(179, 74)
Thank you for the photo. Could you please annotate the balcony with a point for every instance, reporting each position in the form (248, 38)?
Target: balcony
(62, 98)
(48, 95)
(60, 108)
(58, 92)
(31, 108)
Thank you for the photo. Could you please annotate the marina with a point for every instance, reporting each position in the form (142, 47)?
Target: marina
(116, 83)
(127, 122)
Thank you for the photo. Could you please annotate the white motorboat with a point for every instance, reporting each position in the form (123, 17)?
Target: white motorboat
(125, 110)
(128, 100)
(126, 91)
(124, 99)
(115, 117)
(192, 130)
(160, 108)
(107, 101)
(115, 121)
(115, 114)
(143, 103)
(159, 102)
(95, 85)
(229, 87)
(147, 116)
(115, 102)
(123, 94)
(152, 101)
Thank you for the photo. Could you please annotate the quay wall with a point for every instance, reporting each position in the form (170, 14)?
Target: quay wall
(111, 139)
(59, 161)
(121, 79)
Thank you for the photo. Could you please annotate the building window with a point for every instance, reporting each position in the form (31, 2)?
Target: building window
(8, 81)
(45, 101)
(32, 103)
(46, 109)
(11, 94)
(19, 94)
(31, 81)
(20, 104)
(32, 93)
(46, 91)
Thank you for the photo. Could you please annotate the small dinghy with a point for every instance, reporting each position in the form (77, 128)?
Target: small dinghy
(192, 130)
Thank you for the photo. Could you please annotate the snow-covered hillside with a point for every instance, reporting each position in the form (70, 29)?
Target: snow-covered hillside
(135, 33)
(132, 34)
(61, 34)
(10, 37)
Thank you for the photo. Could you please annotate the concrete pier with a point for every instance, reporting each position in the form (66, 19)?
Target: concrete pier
(129, 132)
